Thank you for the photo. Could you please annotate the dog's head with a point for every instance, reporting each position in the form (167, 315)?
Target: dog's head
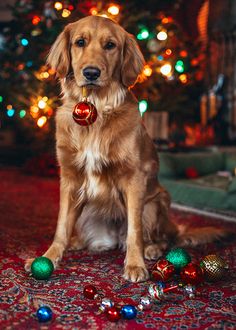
(97, 51)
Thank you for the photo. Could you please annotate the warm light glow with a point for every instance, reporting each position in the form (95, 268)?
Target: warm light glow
(34, 109)
(113, 10)
(162, 35)
(165, 20)
(41, 121)
(58, 5)
(103, 15)
(36, 19)
(166, 69)
(9, 107)
(42, 104)
(45, 98)
(147, 71)
(183, 53)
(66, 13)
(183, 78)
(168, 52)
(51, 71)
(93, 11)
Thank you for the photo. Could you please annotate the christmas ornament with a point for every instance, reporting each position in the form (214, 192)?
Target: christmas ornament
(163, 270)
(44, 314)
(145, 303)
(128, 312)
(105, 304)
(42, 268)
(178, 257)
(113, 314)
(192, 274)
(214, 267)
(158, 293)
(189, 290)
(84, 112)
(90, 292)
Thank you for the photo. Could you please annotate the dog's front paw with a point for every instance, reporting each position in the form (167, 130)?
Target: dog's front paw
(136, 273)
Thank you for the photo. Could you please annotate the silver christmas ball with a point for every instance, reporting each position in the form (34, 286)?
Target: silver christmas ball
(190, 290)
(105, 304)
(145, 303)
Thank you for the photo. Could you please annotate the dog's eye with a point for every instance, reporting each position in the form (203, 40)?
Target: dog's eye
(80, 42)
(110, 45)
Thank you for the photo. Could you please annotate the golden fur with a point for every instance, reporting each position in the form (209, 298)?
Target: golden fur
(109, 192)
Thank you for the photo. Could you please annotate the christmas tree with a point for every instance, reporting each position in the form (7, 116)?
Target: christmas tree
(29, 91)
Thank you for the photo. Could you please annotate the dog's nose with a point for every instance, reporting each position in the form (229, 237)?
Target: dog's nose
(91, 73)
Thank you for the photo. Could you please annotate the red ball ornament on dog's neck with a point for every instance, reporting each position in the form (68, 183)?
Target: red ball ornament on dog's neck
(84, 112)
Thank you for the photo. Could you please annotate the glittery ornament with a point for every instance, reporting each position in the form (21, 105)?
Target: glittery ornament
(113, 314)
(178, 257)
(163, 270)
(128, 312)
(90, 292)
(192, 274)
(158, 293)
(44, 314)
(189, 290)
(84, 112)
(42, 268)
(214, 267)
(145, 303)
(105, 304)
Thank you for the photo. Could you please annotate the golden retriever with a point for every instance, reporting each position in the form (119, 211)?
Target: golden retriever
(110, 195)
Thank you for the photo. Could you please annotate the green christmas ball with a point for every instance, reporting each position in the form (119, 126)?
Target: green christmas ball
(42, 268)
(178, 257)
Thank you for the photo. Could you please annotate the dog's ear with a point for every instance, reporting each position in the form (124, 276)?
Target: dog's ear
(59, 55)
(133, 62)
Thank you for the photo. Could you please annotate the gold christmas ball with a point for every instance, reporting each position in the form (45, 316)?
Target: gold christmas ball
(214, 267)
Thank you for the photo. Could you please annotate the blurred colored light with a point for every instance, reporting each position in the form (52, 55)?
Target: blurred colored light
(24, 42)
(9, 107)
(93, 11)
(113, 10)
(10, 112)
(183, 53)
(71, 7)
(162, 35)
(66, 13)
(36, 19)
(142, 106)
(22, 113)
(41, 121)
(1, 98)
(166, 69)
(179, 66)
(168, 51)
(58, 5)
(143, 34)
(160, 58)
(42, 104)
(29, 64)
(34, 109)
(45, 98)
(147, 71)
(183, 78)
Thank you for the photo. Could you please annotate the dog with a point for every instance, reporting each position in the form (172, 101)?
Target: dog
(110, 195)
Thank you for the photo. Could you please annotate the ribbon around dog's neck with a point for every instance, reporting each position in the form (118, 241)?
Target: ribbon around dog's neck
(84, 112)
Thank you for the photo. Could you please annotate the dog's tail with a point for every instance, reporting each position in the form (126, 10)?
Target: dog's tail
(195, 236)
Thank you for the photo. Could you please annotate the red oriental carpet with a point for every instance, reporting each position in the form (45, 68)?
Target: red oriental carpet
(28, 212)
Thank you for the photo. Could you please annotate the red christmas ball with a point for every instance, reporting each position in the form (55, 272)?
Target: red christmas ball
(192, 274)
(90, 291)
(113, 314)
(84, 113)
(163, 270)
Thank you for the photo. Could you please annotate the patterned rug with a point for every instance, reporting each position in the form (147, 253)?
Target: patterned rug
(28, 211)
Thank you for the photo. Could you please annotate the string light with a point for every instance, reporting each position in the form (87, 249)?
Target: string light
(58, 5)
(160, 58)
(24, 42)
(9, 107)
(10, 112)
(162, 35)
(147, 71)
(183, 78)
(41, 121)
(179, 66)
(36, 19)
(168, 52)
(22, 113)
(166, 69)
(183, 53)
(66, 13)
(42, 104)
(143, 34)
(142, 106)
(1, 99)
(93, 11)
(113, 10)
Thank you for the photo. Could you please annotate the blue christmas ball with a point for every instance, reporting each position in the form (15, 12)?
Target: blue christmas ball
(128, 312)
(44, 314)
